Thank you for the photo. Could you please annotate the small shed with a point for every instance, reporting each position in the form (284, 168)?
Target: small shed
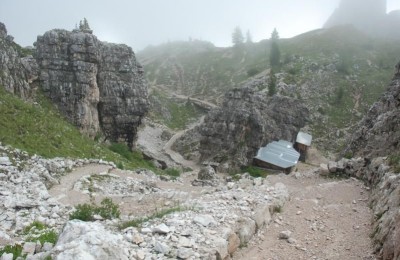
(278, 155)
(303, 142)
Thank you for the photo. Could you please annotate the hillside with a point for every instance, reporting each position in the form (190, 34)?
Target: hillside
(336, 72)
(39, 129)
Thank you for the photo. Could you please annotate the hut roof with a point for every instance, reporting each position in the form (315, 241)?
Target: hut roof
(281, 154)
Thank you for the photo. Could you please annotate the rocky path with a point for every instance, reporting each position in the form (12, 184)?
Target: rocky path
(325, 219)
(64, 192)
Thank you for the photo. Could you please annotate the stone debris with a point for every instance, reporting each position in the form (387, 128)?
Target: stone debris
(212, 225)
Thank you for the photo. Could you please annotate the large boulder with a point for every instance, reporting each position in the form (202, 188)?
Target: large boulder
(87, 240)
(246, 121)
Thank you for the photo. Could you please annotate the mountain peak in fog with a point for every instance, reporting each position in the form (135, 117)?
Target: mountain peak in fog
(368, 16)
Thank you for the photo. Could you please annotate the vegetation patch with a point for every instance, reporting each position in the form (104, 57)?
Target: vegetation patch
(394, 162)
(37, 231)
(173, 172)
(107, 210)
(16, 250)
(255, 171)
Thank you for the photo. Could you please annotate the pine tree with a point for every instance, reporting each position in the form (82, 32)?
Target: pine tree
(237, 36)
(275, 54)
(248, 37)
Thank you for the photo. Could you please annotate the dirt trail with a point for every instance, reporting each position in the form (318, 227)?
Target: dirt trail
(64, 192)
(327, 218)
(177, 157)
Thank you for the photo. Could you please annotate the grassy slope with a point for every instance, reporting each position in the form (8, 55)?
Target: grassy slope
(39, 129)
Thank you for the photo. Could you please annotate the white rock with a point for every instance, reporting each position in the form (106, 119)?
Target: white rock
(47, 246)
(5, 161)
(184, 242)
(6, 256)
(89, 240)
(29, 248)
(184, 253)
(161, 247)
(204, 220)
(161, 229)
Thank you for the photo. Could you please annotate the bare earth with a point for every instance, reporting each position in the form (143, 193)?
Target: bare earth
(328, 219)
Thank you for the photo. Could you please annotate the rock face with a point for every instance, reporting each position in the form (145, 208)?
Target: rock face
(378, 134)
(98, 86)
(15, 72)
(246, 121)
(366, 15)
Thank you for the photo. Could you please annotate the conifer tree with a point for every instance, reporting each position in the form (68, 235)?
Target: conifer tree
(237, 36)
(275, 54)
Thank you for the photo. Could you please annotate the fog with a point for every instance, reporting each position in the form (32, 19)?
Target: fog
(151, 22)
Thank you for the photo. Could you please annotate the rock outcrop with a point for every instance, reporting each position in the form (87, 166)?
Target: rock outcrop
(98, 86)
(15, 72)
(246, 121)
(378, 134)
(368, 16)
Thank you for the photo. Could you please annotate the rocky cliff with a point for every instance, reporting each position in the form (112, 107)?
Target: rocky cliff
(246, 121)
(15, 72)
(378, 134)
(98, 86)
(366, 15)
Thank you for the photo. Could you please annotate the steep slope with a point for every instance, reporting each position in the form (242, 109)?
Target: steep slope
(96, 85)
(377, 141)
(378, 134)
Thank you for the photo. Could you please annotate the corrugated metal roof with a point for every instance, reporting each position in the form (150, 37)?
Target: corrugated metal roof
(279, 153)
(304, 138)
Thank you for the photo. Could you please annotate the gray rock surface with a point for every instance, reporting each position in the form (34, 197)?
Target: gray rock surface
(14, 77)
(98, 86)
(85, 240)
(246, 121)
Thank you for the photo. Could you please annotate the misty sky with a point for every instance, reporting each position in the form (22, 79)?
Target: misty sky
(139, 23)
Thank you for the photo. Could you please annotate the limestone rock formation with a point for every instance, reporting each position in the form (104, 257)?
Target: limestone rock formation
(366, 15)
(246, 121)
(15, 72)
(378, 134)
(98, 86)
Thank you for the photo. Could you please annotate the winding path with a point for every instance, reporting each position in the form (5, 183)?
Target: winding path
(64, 191)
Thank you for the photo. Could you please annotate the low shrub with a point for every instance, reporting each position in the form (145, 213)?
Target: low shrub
(86, 212)
(255, 172)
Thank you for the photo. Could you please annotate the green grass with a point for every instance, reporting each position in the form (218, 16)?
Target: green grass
(16, 250)
(173, 172)
(37, 231)
(255, 171)
(107, 210)
(40, 129)
(394, 162)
